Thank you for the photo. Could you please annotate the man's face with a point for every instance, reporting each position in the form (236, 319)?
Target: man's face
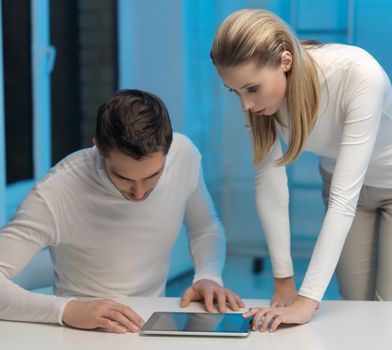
(135, 179)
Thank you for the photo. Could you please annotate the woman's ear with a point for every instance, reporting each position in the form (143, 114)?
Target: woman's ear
(286, 61)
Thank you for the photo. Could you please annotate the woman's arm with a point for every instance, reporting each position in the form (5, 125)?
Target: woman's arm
(365, 90)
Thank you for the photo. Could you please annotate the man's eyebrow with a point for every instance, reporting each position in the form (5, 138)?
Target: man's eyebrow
(146, 178)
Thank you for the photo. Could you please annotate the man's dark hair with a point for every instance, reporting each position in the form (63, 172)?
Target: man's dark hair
(134, 122)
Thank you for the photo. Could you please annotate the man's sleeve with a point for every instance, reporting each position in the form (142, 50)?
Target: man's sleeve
(32, 229)
(206, 235)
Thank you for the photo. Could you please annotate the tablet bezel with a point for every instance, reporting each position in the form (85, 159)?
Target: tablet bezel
(147, 328)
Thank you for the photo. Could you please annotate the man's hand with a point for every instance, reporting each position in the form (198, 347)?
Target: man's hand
(298, 313)
(105, 314)
(285, 292)
(208, 291)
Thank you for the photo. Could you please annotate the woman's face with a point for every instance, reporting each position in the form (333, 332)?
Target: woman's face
(261, 90)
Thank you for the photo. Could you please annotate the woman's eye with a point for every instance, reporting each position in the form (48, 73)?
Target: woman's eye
(252, 89)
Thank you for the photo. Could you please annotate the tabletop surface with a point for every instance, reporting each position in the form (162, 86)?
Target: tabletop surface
(337, 325)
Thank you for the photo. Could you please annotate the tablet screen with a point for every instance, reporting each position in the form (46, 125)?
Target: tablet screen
(189, 323)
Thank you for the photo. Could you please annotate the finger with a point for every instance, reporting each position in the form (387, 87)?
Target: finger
(239, 301)
(252, 311)
(257, 318)
(232, 301)
(275, 323)
(209, 300)
(221, 299)
(187, 297)
(111, 326)
(129, 313)
(122, 320)
(267, 319)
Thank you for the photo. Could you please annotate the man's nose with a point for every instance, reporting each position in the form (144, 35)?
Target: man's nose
(138, 191)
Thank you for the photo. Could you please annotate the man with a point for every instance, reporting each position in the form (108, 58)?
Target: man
(111, 215)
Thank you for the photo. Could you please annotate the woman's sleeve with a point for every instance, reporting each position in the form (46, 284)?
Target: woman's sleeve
(272, 201)
(363, 103)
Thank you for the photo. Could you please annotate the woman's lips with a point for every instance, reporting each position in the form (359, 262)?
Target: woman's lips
(260, 112)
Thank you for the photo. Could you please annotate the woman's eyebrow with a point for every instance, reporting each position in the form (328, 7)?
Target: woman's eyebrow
(246, 85)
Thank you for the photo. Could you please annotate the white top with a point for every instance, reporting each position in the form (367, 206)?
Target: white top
(352, 135)
(102, 244)
(338, 325)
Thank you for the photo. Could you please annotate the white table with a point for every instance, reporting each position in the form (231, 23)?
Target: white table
(337, 325)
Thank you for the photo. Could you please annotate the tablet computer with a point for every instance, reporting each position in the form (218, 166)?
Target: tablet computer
(197, 324)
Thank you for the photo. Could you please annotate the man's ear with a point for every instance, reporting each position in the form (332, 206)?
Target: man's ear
(96, 145)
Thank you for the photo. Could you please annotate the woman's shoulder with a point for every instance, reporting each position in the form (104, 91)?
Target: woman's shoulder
(345, 64)
(334, 55)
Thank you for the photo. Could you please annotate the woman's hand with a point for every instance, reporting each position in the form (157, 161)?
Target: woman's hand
(285, 292)
(298, 313)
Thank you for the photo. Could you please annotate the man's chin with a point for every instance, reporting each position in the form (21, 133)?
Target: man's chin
(132, 199)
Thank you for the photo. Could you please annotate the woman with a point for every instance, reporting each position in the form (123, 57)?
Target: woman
(336, 101)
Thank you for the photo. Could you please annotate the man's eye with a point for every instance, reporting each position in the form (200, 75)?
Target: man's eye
(122, 179)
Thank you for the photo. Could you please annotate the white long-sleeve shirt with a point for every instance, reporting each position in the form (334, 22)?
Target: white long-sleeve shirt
(352, 136)
(103, 245)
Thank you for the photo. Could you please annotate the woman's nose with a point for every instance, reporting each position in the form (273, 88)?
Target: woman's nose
(246, 104)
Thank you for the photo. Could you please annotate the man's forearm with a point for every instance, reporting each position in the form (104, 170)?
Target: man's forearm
(18, 304)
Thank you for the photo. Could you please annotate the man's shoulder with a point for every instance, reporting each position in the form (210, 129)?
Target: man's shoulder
(182, 144)
(183, 157)
(77, 163)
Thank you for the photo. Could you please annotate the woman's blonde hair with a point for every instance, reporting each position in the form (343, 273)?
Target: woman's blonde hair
(261, 37)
